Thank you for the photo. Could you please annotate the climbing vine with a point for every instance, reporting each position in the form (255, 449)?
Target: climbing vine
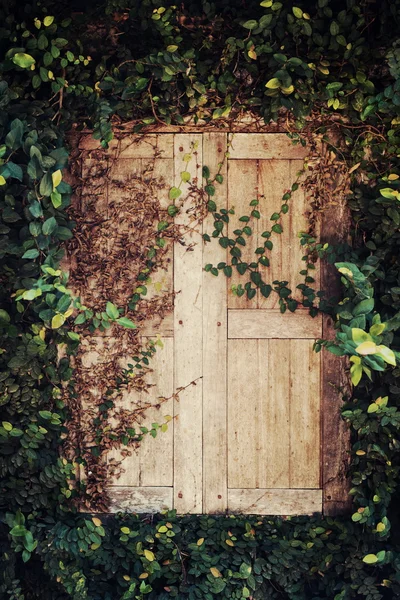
(320, 70)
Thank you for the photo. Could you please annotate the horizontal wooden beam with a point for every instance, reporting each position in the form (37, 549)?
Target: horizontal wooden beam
(274, 501)
(262, 146)
(140, 499)
(269, 324)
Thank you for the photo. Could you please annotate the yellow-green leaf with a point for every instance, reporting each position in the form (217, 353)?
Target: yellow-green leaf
(96, 521)
(125, 530)
(57, 321)
(380, 527)
(370, 559)
(377, 329)
(47, 21)
(200, 541)
(2, 180)
(273, 84)
(298, 13)
(185, 176)
(56, 177)
(149, 555)
(387, 354)
(172, 48)
(126, 577)
(367, 348)
(215, 572)
(25, 61)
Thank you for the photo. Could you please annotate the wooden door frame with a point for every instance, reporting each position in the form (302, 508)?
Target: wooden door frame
(335, 434)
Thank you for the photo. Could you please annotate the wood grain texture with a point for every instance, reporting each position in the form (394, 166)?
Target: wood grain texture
(305, 398)
(264, 146)
(151, 464)
(277, 418)
(274, 502)
(133, 146)
(242, 188)
(214, 348)
(273, 180)
(268, 324)
(140, 499)
(335, 227)
(188, 343)
(247, 413)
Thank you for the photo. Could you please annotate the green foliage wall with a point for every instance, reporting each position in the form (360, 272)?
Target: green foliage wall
(150, 61)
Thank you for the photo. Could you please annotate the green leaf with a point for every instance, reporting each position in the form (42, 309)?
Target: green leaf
(252, 24)
(46, 185)
(57, 321)
(273, 84)
(31, 254)
(370, 559)
(23, 60)
(298, 13)
(56, 178)
(364, 307)
(359, 336)
(125, 322)
(174, 193)
(49, 226)
(56, 199)
(112, 311)
(47, 21)
(185, 176)
(172, 48)
(387, 354)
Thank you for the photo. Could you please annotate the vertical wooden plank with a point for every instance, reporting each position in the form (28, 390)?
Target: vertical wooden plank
(247, 413)
(335, 227)
(273, 178)
(242, 184)
(188, 344)
(278, 415)
(305, 438)
(151, 464)
(300, 207)
(214, 347)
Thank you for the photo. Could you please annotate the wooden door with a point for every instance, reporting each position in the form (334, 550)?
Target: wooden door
(248, 436)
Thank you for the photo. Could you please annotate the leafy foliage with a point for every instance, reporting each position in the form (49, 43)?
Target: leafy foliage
(147, 62)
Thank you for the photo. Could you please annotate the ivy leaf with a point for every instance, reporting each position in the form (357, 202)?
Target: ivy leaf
(185, 176)
(49, 226)
(2, 180)
(47, 21)
(23, 60)
(125, 322)
(46, 185)
(56, 178)
(149, 555)
(112, 311)
(298, 13)
(370, 559)
(57, 321)
(56, 199)
(174, 193)
(273, 84)
(252, 24)
(31, 254)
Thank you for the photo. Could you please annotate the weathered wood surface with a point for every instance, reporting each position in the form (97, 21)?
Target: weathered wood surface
(262, 423)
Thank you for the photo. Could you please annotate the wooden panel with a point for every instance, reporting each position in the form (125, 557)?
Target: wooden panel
(160, 170)
(300, 222)
(335, 227)
(188, 351)
(265, 146)
(273, 179)
(274, 502)
(247, 413)
(156, 326)
(152, 463)
(272, 324)
(277, 421)
(214, 349)
(305, 436)
(242, 188)
(133, 146)
(140, 499)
